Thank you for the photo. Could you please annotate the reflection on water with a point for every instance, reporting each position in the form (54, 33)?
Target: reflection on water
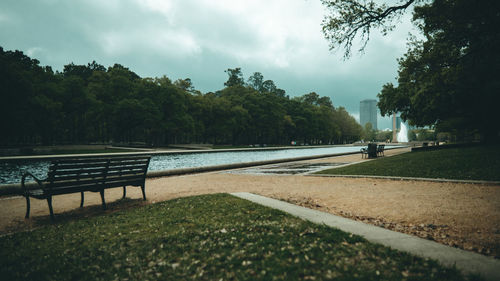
(11, 172)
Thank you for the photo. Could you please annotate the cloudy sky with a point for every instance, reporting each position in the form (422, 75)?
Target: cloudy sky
(199, 39)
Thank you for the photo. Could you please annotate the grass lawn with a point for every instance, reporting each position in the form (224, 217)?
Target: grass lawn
(87, 151)
(212, 237)
(467, 163)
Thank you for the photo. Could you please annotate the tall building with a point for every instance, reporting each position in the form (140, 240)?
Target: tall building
(398, 123)
(368, 113)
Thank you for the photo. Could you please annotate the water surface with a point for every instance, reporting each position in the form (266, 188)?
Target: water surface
(12, 171)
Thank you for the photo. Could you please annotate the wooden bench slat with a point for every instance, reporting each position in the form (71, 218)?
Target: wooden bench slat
(122, 160)
(124, 178)
(124, 183)
(73, 189)
(78, 171)
(73, 166)
(99, 160)
(125, 173)
(76, 177)
(126, 164)
(70, 183)
(79, 161)
(111, 166)
(127, 168)
(124, 168)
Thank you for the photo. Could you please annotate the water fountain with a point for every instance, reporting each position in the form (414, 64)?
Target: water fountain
(403, 133)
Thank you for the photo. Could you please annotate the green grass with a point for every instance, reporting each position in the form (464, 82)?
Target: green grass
(213, 237)
(467, 163)
(86, 151)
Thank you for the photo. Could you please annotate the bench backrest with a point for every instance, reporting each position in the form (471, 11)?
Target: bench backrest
(124, 171)
(93, 174)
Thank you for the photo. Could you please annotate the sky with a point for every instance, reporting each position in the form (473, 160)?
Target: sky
(199, 39)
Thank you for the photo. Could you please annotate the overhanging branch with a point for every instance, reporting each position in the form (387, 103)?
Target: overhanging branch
(349, 18)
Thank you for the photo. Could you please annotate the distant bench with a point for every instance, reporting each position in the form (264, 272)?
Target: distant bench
(88, 174)
(364, 152)
(380, 150)
(373, 150)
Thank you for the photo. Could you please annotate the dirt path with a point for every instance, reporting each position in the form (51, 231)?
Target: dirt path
(462, 215)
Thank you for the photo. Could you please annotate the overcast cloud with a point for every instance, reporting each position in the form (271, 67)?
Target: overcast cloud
(199, 39)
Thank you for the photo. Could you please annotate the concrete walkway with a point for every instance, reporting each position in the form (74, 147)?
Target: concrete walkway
(467, 262)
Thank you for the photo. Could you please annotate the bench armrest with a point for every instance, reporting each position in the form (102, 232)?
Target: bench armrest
(23, 179)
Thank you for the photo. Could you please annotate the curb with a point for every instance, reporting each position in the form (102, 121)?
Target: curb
(408, 179)
(466, 262)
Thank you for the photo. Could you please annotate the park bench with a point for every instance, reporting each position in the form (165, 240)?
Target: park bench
(380, 150)
(370, 151)
(87, 174)
(364, 151)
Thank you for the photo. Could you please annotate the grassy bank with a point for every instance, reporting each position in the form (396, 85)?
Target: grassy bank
(62, 151)
(88, 151)
(208, 238)
(467, 163)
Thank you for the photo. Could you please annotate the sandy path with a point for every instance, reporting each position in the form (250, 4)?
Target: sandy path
(463, 215)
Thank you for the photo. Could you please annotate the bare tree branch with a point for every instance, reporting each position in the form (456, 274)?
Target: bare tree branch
(350, 18)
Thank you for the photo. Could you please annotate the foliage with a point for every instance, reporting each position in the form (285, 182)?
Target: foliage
(369, 134)
(348, 19)
(448, 79)
(384, 136)
(92, 104)
(423, 135)
(209, 237)
(235, 77)
(465, 163)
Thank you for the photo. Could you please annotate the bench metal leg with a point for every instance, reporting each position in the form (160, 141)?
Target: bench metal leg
(124, 192)
(49, 201)
(27, 207)
(81, 202)
(102, 198)
(143, 188)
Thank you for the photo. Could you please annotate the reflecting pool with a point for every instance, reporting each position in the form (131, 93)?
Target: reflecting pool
(12, 171)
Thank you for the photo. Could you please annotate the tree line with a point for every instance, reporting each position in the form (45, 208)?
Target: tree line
(93, 104)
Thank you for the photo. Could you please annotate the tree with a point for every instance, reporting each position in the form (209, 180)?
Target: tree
(369, 134)
(384, 136)
(449, 79)
(268, 86)
(256, 80)
(350, 18)
(235, 77)
(89, 103)
(185, 84)
(82, 71)
(350, 129)
(30, 100)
